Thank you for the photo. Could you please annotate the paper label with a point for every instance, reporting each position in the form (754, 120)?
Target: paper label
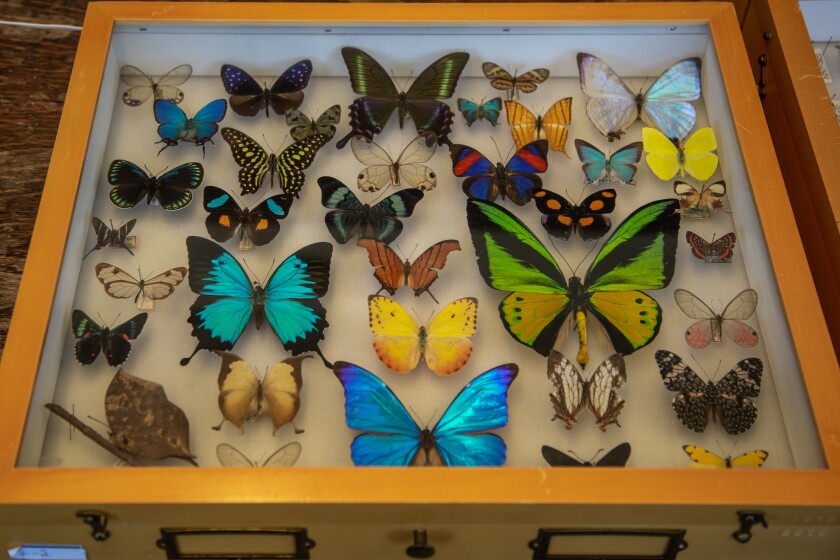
(48, 552)
(836, 103)
(823, 67)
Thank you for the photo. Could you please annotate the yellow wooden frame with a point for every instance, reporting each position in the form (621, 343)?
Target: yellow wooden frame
(321, 486)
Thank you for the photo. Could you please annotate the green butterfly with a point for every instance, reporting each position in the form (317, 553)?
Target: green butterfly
(639, 255)
(288, 165)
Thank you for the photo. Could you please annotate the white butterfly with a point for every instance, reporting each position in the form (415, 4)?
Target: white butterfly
(122, 285)
(142, 86)
(571, 393)
(383, 170)
(711, 325)
(286, 456)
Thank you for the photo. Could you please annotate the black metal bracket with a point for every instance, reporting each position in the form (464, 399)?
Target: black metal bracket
(675, 543)
(98, 522)
(420, 548)
(762, 76)
(171, 538)
(747, 519)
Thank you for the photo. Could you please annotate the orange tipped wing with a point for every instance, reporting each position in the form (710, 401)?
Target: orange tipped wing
(389, 267)
(424, 270)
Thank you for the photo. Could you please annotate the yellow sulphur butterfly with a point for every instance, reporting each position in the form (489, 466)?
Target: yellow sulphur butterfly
(400, 341)
(706, 458)
(695, 157)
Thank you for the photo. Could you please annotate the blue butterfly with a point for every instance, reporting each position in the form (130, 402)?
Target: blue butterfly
(473, 111)
(517, 180)
(393, 439)
(598, 167)
(174, 124)
(227, 298)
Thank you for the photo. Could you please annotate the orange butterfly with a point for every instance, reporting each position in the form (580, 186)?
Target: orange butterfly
(393, 273)
(553, 126)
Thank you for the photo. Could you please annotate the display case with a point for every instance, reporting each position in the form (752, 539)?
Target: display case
(776, 358)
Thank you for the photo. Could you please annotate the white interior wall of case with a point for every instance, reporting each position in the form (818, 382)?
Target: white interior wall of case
(648, 421)
(822, 17)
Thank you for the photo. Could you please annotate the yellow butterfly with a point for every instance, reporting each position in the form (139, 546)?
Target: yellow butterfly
(527, 127)
(242, 396)
(400, 342)
(706, 458)
(695, 157)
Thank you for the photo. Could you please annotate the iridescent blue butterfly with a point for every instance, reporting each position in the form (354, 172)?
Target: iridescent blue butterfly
(247, 97)
(473, 111)
(227, 298)
(393, 439)
(174, 124)
(517, 180)
(620, 165)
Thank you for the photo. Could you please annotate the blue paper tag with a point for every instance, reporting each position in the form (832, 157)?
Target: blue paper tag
(48, 552)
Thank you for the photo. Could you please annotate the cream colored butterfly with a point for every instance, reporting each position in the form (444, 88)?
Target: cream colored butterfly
(286, 456)
(383, 170)
(400, 341)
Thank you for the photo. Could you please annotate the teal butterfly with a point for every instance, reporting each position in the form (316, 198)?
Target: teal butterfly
(639, 255)
(476, 111)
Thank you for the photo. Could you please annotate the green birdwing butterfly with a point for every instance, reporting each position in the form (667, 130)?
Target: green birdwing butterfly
(639, 255)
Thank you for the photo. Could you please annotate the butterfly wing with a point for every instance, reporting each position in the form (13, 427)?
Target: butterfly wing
(206, 122)
(250, 156)
(281, 391)
(702, 333)
(569, 394)
(286, 92)
(381, 169)
(711, 196)
(229, 456)
(424, 269)
(736, 411)
(397, 340)
(447, 337)
(499, 78)
(511, 258)
(602, 399)
(224, 214)
(616, 457)
(663, 156)
(141, 86)
(118, 283)
(368, 77)
(480, 172)
(162, 285)
(410, 168)
(622, 163)
(700, 162)
(388, 267)
(344, 222)
(262, 224)
(292, 305)
(520, 172)
(172, 121)
(247, 97)
(612, 107)
(383, 223)
(557, 458)
(295, 159)
(286, 456)
(471, 110)
(239, 390)
(558, 214)
(115, 344)
(480, 406)
(166, 87)
(665, 106)
(690, 404)
(701, 248)
(90, 337)
(370, 406)
(753, 458)
(555, 124)
(704, 457)
(594, 160)
(301, 126)
(174, 188)
(523, 123)
(439, 79)
(740, 308)
(131, 183)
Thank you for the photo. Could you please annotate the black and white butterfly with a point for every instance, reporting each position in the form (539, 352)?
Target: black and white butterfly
(571, 393)
(258, 225)
(616, 457)
(301, 126)
(113, 342)
(120, 284)
(727, 401)
(110, 236)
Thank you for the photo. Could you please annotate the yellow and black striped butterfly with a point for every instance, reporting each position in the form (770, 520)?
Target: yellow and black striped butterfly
(706, 458)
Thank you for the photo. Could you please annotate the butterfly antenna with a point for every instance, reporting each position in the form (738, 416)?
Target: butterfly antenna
(592, 461)
(269, 145)
(560, 254)
(98, 421)
(498, 151)
(700, 367)
(412, 251)
(72, 427)
(578, 457)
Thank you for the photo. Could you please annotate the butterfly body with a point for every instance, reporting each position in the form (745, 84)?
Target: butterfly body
(572, 393)
(248, 97)
(516, 180)
(640, 254)
(616, 457)
(112, 342)
(142, 86)
(561, 218)
(392, 438)
(712, 325)
(705, 458)
(717, 251)
(727, 401)
(175, 126)
(258, 226)
(111, 237)
(474, 112)
(172, 189)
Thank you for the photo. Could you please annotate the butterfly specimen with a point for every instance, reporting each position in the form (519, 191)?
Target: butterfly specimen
(111, 236)
(393, 273)
(383, 170)
(301, 126)
(572, 394)
(113, 342)
(175, 126)
(560, 217)
(706, 458)
(120, 284)
(243, 396)
(350, 217)
(475, 111)
(502, 80)
(227, 298)
(616, 457)
(695, 157)
(247, 97)
(392, 438)
(516, 180)
(619, 166)
(400, 341)
(288, 165)
(144, 422)
(141, 86)
(717, 251)
(286, 456)
(613, 107)
(256, 227)
(639, 255)
(694, 204)
(369, 114)
(727, 401)
(711, 324)
(172, 190)
(553, 126)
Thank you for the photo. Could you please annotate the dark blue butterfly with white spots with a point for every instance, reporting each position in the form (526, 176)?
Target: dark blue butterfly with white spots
(247, 97)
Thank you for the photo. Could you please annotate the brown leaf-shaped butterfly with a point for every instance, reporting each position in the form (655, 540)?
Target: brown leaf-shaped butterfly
(144, 422)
